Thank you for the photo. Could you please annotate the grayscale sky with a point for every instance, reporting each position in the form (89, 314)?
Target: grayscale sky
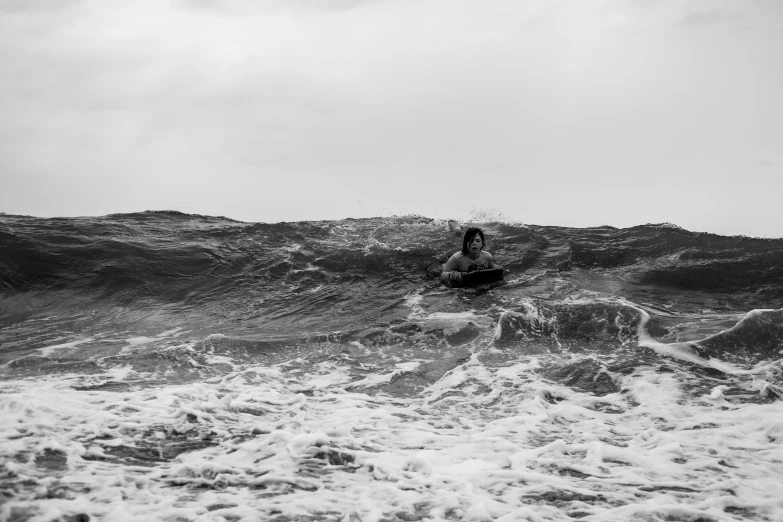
(577, 113)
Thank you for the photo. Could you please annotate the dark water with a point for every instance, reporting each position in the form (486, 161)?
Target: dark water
(135, 307)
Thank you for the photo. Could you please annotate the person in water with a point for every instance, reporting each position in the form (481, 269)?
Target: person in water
(471, 257)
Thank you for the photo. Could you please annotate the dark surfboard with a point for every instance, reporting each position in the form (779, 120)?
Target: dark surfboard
(480, 277)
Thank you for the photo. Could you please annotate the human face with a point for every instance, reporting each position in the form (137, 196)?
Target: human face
(475, 245)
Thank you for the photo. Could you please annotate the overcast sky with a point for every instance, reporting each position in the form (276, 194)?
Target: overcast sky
(577, 113)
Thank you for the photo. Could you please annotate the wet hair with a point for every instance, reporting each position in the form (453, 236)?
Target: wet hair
(469, 234)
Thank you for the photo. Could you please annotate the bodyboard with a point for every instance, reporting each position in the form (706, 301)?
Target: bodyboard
(480, 277)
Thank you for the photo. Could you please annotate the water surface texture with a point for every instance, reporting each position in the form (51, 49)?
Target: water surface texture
(165, 366)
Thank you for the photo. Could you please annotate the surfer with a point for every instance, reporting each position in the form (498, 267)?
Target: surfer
(471, 257)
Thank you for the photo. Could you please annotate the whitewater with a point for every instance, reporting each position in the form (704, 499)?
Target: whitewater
(175, 367)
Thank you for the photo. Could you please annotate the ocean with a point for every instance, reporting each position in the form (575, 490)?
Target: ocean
(175, 367)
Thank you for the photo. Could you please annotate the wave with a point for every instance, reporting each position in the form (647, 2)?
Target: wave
(566, 325)
(344, 275)
(168, 254)
(319, 358)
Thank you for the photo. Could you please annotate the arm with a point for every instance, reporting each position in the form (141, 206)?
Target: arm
(450, 272)
(494, 265)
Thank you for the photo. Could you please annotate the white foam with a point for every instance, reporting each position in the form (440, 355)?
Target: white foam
(132, 343)
(383, 378)
(681, 350)
(169, 333)
(482, 443)
(48, 350)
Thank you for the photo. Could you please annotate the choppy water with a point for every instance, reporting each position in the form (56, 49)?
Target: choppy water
(163, 366)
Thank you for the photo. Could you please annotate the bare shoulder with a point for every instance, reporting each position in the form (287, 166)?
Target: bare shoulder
(453, 262)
